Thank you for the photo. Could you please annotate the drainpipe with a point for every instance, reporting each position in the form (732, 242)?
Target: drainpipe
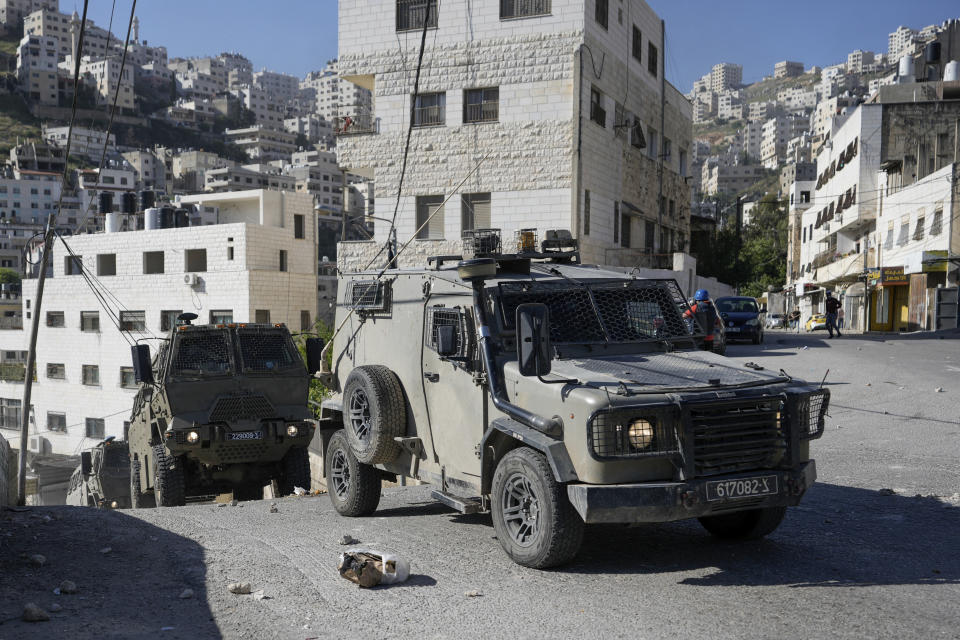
(578, 115)
(663, 119)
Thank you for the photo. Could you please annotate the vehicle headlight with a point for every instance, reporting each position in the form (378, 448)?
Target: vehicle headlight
(193, 437)
(752, 322)
(640, 434)
(292, 430)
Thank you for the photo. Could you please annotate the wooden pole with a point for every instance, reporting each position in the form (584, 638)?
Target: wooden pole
(31, 363)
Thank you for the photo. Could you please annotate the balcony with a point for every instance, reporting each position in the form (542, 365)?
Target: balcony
(356, 124)
(833, 267)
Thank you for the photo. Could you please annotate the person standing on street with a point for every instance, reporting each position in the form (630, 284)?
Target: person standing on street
(795, 320)
(705, 315)
(840, 318)
(833, 307)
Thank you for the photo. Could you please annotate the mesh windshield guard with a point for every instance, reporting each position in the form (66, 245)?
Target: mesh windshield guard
(622, 311)
(265, 351)
(202, 352)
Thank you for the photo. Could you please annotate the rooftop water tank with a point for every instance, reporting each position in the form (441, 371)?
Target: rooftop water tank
(148, 199)
(106, 202)
(905, 73)
(931, 54)
(951, 73)
(151, 218)
(112, 223)
(128, 202)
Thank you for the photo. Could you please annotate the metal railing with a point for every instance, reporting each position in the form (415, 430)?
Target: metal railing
(483, 112)
(412, 13)
(356, 124)
(429, 116)
(523, 8)
(12, 323)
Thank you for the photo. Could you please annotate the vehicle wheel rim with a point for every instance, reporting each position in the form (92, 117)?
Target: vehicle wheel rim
(360, 415)
(340, 474)
(520, 508)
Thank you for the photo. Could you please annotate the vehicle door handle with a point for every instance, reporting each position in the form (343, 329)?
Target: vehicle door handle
(432, 377)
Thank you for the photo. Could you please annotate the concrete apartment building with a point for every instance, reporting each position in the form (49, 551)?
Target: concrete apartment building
(83, 142)
(330, 95)
(312, 127)
(246, 177)
(787, 69)
(189, 168)
(281, 86)
(726, 75)
(519, 83)
(263, 144)
(729, 179)
(775, 135)
(12, 12)
(859, 61)
(48, 22)
(901, 42)
(37, 69)
(258, 264)
(269, 109)
(103, 75)
(149, 167)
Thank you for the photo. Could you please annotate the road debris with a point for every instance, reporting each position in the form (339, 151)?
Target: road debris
(273, 508)
(369, 568)
(472, 594)
(938, 390)
(887, 492)
(753, 365)
(234, 502)
(239, 588)
(55, 608)
(38, 560)
(299, 491)
(33, 613)
(106, 550)
(348, 539)
(186, 594)
(222, 504)
(258, 595)
(67, 587)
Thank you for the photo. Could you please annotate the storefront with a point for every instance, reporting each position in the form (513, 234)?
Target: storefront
(889, 299)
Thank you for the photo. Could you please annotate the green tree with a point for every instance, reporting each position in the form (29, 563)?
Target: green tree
(317, 391)
(9, 276)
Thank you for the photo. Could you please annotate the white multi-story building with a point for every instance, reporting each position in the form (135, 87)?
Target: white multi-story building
(37, 69)
(12, 12)
(901, 43)
(797, 98)
(312, 127)
(330, 94)
(730, 105)
(83, 141)
(726, 75)
(859, 61)
(763, 111)
(188, 170)
(149, 167)
(775, 135)
(787, 69)
(263, 144)
(247, 177)
(281, 86)
(258, 264)
(752, 139)
(269, 110)
(104, 76)
(511, 102)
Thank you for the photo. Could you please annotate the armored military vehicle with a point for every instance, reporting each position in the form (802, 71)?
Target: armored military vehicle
(103, 477)
(555, 394)
(221, 408)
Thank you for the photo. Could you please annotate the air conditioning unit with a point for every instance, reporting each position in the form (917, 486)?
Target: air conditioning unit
(191, 279)
(40, 446)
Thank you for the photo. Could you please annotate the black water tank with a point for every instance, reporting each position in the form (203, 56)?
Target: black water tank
(129, 202)
(106, 202)
(932, 53)
(166, 217)
(182, 218)
(148, 199)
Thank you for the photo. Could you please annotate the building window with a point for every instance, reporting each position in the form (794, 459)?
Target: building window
(649, 231)
(481, 105)
(152, 262)
(523, 8)
(127, 379)
(411, 14)
(475, 211)
(429, 109)
(229, 253)
(283, 259)
(195, 260)
(637, 44)
(624, 230)
(586, 212)
(636, 135)
(652, 58)
(261, 316)
(936, 227)
(91, 375)
(73, 265)
(56, 371)
(95, 428)
(904, 236)
(9, 413)
(597, 114)
(804, 196)
(305, 324)
(616, 222)
(221, 316)
(133, 321)
(168, 319)
(56, 422)
(918, 230)
(602, 12)
(430, 217)
(56, 319)
(683, 163)
(90, 321)
(298, 227)
(653, 146)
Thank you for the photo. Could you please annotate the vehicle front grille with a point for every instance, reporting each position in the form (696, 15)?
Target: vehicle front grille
(741, 436)
(180, 437)
(239, 407)
(229, 452)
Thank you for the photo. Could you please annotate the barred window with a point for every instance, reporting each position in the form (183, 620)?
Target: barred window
(411, 14)
(221, 316)
(429, 109)
(936, 227)
(637, 44)
(597, 112)
(523, 8)
(652, 58)
(9, 413)
(133, 321)
(91, 374)
(95, 428)
(127, 378)
(90, 321)
(168, 319)
(56, 422)
(481, 105)
(55, 319)
(56, 371)
(918, 230)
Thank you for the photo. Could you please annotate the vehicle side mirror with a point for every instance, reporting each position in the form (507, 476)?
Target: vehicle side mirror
(86, 463)
(534, 350)
(446, 340)
(314, 350)
(142, 368)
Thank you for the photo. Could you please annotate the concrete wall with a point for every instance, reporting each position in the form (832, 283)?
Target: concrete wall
(8, 464)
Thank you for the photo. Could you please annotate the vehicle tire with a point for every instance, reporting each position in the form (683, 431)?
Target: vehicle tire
(354, 487)
(374, 413)
(294, 472)
(168, 482)
(744, 525)
(137, 499)
(248, 492)
(532, 515)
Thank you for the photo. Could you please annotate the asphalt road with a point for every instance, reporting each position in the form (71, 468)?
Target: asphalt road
(850, 562)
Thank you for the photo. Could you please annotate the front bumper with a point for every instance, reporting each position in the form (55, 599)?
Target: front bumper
(666, 501)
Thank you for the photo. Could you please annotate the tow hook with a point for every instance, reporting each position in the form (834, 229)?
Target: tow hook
(796, 486)
(689, 499)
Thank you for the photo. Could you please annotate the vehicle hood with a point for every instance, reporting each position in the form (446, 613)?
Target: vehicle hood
(658, 373)
(740, 316)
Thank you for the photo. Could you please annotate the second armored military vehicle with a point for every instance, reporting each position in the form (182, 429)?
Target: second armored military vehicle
(221, 408)
(555, 394)
(103, 477)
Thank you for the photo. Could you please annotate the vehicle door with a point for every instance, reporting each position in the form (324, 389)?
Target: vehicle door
(455, 404)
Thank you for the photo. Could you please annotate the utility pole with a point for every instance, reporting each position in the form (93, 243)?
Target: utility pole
(736, 261)
(663, 120)
(31, 363)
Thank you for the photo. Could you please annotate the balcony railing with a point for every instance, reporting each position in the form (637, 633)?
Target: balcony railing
(10, 324)
(523, 8)
(356, 124)
(483, 112)
(13, 372)
(431, 116)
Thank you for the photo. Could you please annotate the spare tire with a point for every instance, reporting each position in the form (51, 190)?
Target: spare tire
(374, 413)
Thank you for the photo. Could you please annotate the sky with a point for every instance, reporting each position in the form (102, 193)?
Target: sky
(301, 35)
